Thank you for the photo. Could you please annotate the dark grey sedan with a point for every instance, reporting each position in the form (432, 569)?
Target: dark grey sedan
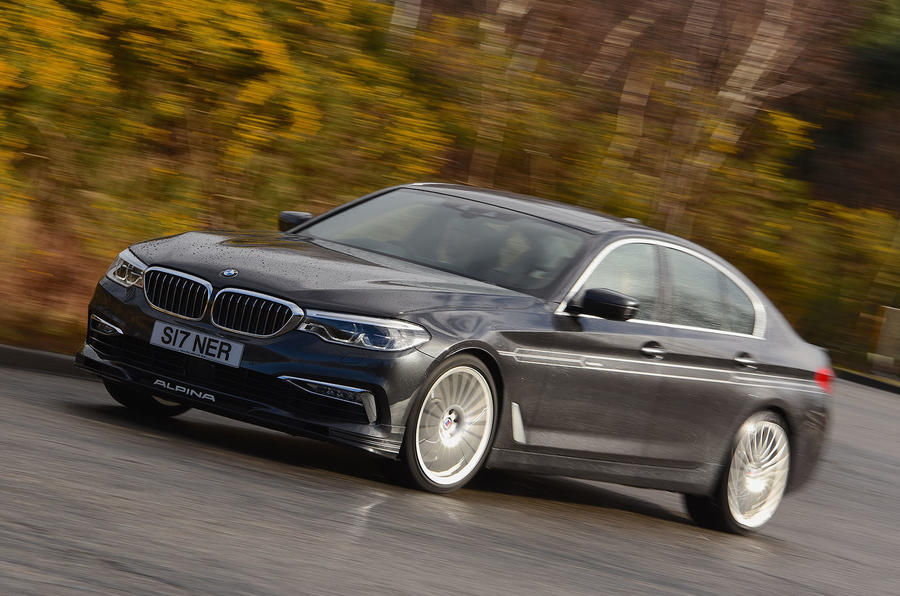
(452, 328)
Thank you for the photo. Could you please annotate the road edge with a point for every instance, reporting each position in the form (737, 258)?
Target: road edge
(40, 361)
(867, 380)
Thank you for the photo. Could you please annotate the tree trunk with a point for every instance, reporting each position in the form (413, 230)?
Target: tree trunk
(617, 43)
(405, 19)
(497, 103)
(738, 101)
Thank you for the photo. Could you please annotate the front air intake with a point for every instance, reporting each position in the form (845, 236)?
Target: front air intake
(251, 313)
(176, 293)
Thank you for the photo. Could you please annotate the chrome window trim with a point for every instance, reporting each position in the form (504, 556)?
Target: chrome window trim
(188, 276)
(759, 309)
(297, 313)
(706, 329)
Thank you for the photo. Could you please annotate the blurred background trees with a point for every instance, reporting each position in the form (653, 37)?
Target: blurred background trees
(767, 130)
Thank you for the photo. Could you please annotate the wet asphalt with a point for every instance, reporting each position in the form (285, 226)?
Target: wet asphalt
(95, 500)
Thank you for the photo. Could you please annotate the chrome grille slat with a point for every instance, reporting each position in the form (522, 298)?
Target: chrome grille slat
(252, 313)
(147, 277)
(268, 318)
(167, 299)
(195, 297)
(236, 309)
(225, 306)
(244, 310)
(148, 288)
(182, 296)
(160, 288)
(232, 309)
(176, 293)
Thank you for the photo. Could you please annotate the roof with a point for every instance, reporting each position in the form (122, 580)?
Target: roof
(562, 213)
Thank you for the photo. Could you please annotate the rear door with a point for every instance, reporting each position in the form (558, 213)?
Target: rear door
(712, 358)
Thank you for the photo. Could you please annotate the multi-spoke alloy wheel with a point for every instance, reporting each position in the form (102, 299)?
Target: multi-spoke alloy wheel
(754, 483)
(452, 426)
(759, 471)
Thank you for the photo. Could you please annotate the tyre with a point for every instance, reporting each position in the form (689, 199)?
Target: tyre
(752, 487)
(451, 425)
(140, 400)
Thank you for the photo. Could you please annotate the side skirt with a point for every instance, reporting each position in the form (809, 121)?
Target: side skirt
(700, 480)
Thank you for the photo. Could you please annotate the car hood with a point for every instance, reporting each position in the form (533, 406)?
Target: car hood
(324, 276)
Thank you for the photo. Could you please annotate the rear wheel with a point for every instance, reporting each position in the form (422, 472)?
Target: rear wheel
(451, 427)
(140, 400)
(752, 487)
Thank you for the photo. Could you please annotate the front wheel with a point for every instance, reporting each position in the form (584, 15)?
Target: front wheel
(753, 486)
(451, 425)
(140, 400)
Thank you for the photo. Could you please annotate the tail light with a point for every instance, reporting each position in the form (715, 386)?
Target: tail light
(824, 377)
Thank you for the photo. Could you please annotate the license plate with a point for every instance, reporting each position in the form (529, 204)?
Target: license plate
(197, 344)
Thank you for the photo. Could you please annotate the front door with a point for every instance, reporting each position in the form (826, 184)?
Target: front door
(604, 375)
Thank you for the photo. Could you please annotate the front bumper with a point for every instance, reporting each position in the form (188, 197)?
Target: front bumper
(254, 392)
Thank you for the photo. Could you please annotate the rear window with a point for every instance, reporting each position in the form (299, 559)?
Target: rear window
(702, 296)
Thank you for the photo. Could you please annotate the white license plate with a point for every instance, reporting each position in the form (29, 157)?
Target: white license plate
(197, 344)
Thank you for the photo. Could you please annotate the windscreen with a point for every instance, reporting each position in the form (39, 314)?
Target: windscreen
(469, 238)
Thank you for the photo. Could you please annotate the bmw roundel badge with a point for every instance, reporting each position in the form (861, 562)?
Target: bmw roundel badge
(229, 273)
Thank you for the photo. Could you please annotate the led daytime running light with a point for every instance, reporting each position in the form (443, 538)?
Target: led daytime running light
(370, 333)
(127, 270)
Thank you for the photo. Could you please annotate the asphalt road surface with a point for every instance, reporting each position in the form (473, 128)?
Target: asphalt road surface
(95, 500)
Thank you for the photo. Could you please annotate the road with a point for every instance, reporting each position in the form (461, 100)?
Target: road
(95, 500)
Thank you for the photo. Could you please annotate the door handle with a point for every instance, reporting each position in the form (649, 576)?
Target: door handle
(746, 360)
(653, 350)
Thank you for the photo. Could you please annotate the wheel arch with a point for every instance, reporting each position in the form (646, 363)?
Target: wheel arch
(782, 413)
(773, 407)
(493, 367)
(482, 354)
(415, 472)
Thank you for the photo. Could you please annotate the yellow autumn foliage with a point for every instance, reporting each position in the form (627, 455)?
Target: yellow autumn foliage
(127, 119)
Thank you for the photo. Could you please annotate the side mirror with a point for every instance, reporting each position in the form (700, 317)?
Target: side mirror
(292, 219)
(608, 304)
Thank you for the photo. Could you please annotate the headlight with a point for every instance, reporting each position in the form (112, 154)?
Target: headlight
(371, 333)
(127, 270)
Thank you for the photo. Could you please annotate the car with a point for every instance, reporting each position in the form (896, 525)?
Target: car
(451, 328)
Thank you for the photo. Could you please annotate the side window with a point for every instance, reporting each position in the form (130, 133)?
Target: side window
(741, 317)
(631, 269)
(702, 296)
